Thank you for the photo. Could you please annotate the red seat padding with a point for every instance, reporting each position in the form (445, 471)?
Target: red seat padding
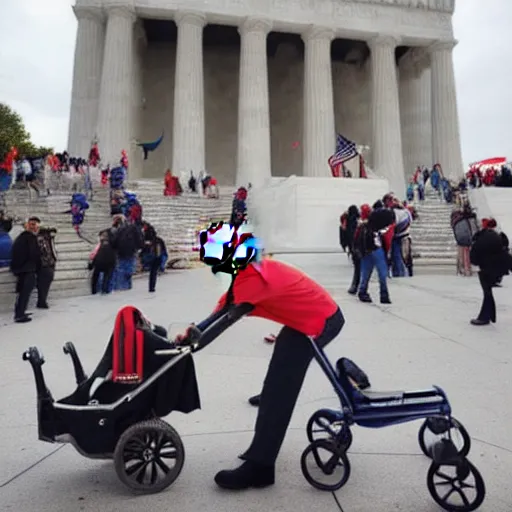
(128, 345)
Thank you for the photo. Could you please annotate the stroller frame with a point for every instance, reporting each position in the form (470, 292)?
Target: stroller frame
(328, 430)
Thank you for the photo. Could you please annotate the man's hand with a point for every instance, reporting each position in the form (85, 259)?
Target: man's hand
(188, 337)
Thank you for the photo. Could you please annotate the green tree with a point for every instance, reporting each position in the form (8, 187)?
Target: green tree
(14, 134)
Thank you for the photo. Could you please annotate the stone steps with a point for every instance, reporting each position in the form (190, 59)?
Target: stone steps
(432, 236)
(175, 219)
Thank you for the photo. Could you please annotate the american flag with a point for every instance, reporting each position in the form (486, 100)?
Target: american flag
(345, 150)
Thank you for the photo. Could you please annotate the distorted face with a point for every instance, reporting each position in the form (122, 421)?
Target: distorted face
(33, 226)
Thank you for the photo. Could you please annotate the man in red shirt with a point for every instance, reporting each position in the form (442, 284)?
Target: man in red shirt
(286, 295)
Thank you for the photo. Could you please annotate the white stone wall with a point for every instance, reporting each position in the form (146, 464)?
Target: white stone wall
(494, 202)
(221, 77)
(302, 213)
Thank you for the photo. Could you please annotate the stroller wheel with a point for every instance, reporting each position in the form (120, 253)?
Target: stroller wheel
(435, 428)
(456, 487)
(149, 456)
(325, 425)
(325, 466)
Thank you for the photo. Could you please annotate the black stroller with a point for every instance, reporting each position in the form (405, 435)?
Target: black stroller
(143, 376)
(115, 413)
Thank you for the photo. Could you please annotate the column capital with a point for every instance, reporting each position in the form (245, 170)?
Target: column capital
(314, 32)
(415, 61)
(121, 10)
(190, 18)
(253, 24)
(383, 40)
(442, 46)
(94, 13)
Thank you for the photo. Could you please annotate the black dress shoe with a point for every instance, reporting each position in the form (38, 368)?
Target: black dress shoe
(255, 400)
(384, 299)
(23, 319)
(249, 474)
(477, 321)
(364, 297)
(42, 306)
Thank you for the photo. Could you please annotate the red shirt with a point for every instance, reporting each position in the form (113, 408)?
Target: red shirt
(283, 294)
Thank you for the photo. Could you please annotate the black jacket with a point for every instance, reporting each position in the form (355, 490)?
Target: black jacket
(490, 253)
(105, 258)
(128, 240)
(26, 257)
(381, 218)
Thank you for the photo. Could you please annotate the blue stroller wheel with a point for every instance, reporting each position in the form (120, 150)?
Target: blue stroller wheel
(456, 487)
(325, 424)
(435, 428)
(149, 456)
(325, 466)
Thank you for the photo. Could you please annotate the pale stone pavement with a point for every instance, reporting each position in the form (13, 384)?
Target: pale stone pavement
(424, 338)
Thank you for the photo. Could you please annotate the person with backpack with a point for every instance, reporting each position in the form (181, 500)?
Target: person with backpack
(127, 243)
(372, 242)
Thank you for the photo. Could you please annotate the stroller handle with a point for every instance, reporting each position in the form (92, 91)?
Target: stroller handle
(201, 335)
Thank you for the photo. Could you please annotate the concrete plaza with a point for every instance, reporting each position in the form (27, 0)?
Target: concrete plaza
(423, 338)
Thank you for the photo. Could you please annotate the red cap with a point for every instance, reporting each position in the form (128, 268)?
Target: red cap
(366, 209)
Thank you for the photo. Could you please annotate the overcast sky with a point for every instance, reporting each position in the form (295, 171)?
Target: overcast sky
(36, 65)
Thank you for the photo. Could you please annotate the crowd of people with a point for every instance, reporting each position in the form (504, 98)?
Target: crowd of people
(489, 176)
(33, 260)
(377, 237)
(447, 190)
(203, 184)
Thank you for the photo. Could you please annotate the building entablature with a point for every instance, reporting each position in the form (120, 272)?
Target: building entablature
(415, 22)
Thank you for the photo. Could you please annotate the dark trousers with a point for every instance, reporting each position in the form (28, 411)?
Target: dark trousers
(107, 276)
(44, 281)
(488, 309)
(153, 273)
(24, 286)
(356, 277)
(285, 376)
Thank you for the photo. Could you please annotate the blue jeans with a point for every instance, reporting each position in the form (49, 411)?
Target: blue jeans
(378, 260)
(397, 260)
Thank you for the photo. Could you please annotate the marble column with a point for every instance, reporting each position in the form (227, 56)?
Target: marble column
(116, 97)
(254, 155)
(136, 161)
(319, 129)
(446, 147)
(90, 39)
(415, 111)
(387, 156)
(189, 127)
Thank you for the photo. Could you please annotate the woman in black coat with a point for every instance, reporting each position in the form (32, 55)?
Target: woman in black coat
(490, 252)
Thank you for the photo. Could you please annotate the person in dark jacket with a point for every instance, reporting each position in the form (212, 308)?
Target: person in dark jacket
(153, 253)
(46, 272)
(103, 262)
(372, 242)
(26, 261)
(490, 252)
(350, 231)
(127, 243)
